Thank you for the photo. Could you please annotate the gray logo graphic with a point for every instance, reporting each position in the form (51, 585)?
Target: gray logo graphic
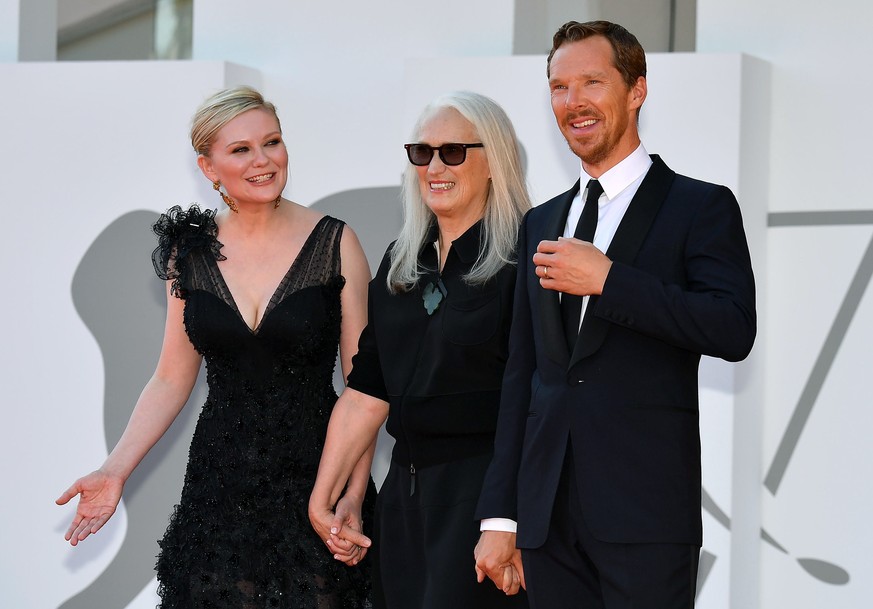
(822, 570)
(122, 303)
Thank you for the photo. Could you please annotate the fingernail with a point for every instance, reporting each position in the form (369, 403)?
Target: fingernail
(334, 530)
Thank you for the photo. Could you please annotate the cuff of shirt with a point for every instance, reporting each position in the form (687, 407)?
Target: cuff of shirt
(498, 524)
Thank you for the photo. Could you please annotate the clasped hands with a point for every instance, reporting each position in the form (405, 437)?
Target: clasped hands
(498, 559)
(571, 266)
(340, 529)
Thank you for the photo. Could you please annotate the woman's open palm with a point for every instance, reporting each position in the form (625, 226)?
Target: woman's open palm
(99, 494)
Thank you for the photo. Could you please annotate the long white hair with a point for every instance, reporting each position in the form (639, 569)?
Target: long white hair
(505, 205)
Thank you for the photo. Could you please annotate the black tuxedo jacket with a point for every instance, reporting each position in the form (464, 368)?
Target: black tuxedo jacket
(680, 285)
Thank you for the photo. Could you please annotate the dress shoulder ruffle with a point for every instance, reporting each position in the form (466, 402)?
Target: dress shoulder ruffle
(181, 232)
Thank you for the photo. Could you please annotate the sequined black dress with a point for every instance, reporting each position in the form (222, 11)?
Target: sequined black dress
(240, 537)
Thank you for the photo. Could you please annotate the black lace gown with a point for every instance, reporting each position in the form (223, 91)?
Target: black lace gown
(240, 537)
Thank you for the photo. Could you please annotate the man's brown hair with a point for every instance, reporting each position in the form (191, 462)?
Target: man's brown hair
(627, 52)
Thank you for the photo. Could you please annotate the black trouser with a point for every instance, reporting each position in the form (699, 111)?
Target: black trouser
(572, 569)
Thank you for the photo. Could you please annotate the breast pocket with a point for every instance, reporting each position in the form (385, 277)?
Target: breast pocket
(472, 320)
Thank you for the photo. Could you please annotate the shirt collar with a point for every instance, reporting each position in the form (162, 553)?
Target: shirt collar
(467, 246)
(622, 175)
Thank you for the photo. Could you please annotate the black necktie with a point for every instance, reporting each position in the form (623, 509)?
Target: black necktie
(571, 305)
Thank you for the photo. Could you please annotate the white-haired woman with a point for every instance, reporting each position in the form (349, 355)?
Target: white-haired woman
(264, 290)
(431, 361)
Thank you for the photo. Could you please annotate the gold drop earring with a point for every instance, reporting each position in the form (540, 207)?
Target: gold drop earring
(224, 197)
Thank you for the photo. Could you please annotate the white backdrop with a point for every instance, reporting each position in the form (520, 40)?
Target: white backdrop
(105, 140)
(820, 304)
(89, 143)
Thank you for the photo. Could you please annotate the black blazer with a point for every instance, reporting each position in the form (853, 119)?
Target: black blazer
(680, 285)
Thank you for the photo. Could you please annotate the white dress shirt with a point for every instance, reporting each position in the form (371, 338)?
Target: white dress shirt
(620, 184)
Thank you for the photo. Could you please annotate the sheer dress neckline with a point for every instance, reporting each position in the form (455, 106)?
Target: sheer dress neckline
(282, 289)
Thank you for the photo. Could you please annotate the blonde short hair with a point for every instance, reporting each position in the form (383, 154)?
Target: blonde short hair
(221, 108)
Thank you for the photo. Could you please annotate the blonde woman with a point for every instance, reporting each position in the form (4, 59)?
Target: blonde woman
(265, 290)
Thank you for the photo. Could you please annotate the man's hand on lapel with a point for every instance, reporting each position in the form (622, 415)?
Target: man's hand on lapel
(571, 266)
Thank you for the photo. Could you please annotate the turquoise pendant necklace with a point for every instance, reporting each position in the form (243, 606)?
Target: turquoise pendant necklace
(433, 294)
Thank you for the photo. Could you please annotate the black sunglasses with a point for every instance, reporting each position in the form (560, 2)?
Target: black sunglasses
(450, 154)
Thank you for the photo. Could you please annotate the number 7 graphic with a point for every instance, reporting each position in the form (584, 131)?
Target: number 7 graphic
(822, 570)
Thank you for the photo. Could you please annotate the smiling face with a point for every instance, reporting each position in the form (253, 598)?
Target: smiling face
(594, 108)
(248, 156)
(456, 192)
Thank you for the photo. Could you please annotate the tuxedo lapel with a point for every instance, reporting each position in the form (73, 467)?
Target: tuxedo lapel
(624, 247)
(550, 319)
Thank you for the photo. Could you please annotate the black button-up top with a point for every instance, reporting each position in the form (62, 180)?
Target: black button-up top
(441, 373)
